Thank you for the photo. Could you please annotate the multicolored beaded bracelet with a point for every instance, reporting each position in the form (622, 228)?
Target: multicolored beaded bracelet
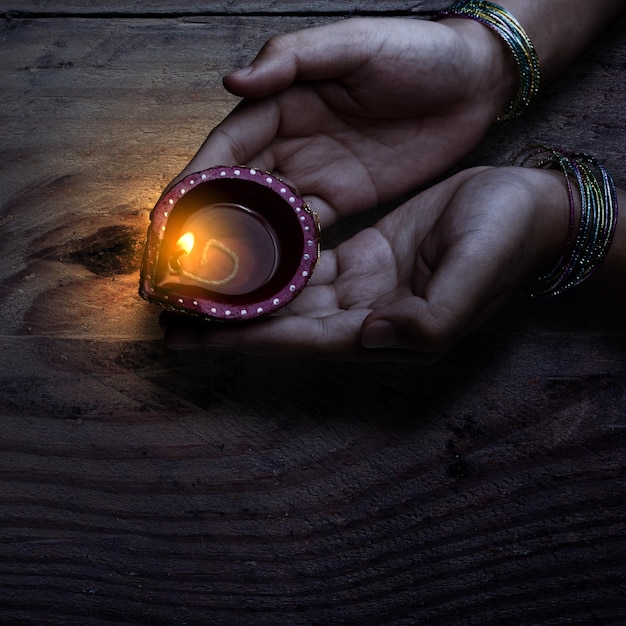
(514, 36)
(586, 245)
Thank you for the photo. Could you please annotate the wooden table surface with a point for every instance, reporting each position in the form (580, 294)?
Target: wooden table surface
(143, 486)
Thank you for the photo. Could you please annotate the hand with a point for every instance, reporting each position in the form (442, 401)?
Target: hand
(359, 112)
(421, 279)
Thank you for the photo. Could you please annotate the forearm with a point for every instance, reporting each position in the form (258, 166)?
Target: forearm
(561, 29)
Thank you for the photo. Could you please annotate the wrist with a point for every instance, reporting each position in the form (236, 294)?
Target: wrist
(561, 29)
(593, 212)
(552, 217)
(492, 74)
(553, 207)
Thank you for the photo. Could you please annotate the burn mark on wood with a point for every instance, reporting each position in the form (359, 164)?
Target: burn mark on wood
(110, 251)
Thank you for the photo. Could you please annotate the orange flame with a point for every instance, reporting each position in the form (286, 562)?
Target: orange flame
(186, 242)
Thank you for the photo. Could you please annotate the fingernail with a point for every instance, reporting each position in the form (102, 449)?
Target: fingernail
(243, 72)
(378, 334)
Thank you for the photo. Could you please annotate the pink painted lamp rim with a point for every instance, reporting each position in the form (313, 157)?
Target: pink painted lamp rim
(226, 309)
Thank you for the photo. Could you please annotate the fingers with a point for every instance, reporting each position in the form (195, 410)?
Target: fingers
(241, 138)
(332, 336)
(309, 325)
(326, 271)
(409, 324)
(318, 53)
(248, 136)
(415, 327)
(335, 336)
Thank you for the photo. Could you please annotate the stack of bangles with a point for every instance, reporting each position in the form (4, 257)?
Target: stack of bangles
(589, 236)
(588, 241)
(514, 36)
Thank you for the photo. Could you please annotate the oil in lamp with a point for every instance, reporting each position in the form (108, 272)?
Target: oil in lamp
(229, 243)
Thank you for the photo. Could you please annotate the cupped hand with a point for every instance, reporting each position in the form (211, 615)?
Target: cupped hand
(359, 112)
(421, 279)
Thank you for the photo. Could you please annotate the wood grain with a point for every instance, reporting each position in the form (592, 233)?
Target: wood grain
(215, 7)
(141, 486)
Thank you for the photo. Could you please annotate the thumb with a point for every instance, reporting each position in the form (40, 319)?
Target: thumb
(413, 324)
(319, 53)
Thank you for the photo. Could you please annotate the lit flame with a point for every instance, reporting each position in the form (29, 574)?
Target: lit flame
(186, 242)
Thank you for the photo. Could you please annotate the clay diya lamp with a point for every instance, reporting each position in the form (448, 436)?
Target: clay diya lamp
(229, 244)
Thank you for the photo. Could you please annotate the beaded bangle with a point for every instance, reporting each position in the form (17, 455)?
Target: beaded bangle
(586, 248)
(510, 30)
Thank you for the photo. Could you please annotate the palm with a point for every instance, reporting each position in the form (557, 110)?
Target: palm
(326, 317)
(351, 278)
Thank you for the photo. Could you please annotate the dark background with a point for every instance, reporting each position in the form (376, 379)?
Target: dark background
(141, 486)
